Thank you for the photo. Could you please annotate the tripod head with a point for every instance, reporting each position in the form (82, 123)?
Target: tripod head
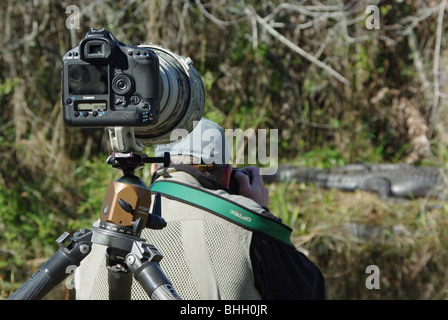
(127, 202)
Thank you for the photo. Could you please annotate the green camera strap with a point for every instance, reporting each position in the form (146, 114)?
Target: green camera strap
(223, 208)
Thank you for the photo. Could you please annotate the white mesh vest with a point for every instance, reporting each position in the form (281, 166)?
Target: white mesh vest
(204, 256)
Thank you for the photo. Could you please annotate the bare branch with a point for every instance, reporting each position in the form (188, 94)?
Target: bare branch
(312, 11)
(251, 12)
(412, 41)
(253, 22)
(435, 103)
(414, 21)
(217, 21)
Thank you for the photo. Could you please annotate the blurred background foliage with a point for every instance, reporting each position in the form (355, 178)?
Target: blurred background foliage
(337, 91)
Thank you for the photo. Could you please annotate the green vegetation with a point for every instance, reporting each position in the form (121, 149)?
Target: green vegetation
(392, 109)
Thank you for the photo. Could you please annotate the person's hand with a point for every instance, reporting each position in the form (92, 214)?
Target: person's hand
(255, 189)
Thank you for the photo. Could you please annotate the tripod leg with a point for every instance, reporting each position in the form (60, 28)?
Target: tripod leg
(119, 277)
(143, 261)
(120, 282)
(55, 269)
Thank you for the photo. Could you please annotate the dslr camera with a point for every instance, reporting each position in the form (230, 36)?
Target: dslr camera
(106, 83)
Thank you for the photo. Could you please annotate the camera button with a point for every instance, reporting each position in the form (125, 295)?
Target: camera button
(135, 99)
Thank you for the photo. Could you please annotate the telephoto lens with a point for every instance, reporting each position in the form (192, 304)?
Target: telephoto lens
(181, 97)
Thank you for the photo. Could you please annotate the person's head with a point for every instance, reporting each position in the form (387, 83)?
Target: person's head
(205, 148)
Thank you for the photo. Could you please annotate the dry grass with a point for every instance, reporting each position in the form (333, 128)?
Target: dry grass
(345, 232)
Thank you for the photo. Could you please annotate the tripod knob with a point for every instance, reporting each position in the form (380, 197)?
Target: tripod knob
(125, 205)
(155, 220)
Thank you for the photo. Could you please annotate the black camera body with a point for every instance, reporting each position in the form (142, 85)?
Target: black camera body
(106, 83)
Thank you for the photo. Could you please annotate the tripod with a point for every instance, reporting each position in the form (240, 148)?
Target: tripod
(124, 214)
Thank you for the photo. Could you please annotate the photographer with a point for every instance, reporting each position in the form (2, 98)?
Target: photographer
(217, 244)
(221, 259)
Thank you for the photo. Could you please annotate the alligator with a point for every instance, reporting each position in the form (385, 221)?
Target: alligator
(387, 180)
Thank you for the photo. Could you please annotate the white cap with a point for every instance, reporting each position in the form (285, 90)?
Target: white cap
(207, 143)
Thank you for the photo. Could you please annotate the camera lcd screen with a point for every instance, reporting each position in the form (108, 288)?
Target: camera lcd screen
(87, 79)
(91, 106)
